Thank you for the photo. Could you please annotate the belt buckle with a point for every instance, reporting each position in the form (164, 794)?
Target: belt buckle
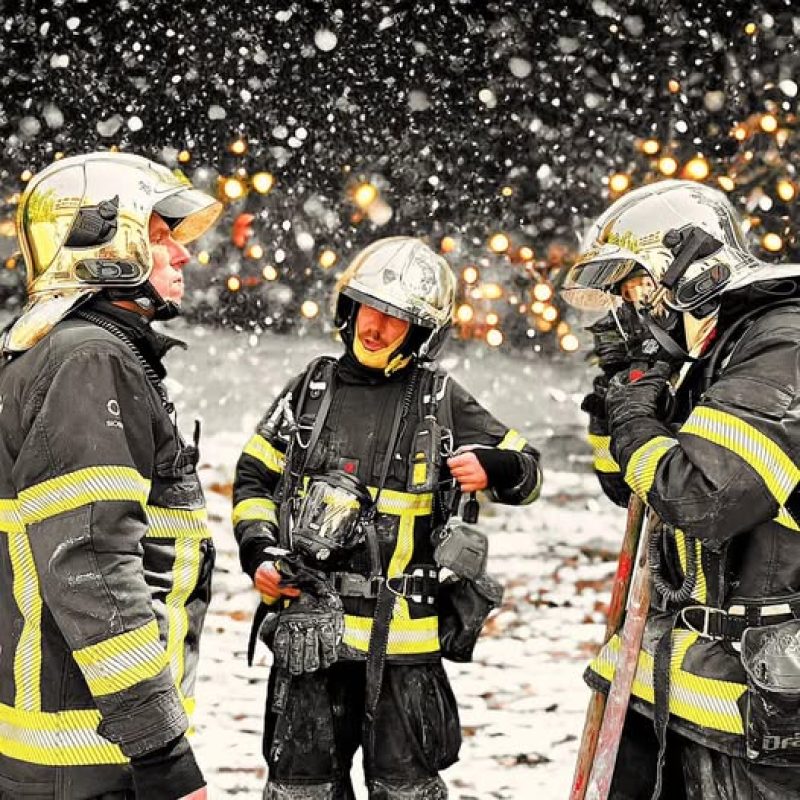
(403, 591)
(707, 612)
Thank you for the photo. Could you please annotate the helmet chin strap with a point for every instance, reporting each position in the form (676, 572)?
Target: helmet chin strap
(149, 301)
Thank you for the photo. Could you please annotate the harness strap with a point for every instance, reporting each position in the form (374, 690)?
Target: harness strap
(423, 584)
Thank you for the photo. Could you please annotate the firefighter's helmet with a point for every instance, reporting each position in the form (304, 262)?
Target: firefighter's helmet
(82, 224)
(643, 231)
(403, 277)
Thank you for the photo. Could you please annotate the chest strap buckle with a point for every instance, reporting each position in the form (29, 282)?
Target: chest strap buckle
(706, 621)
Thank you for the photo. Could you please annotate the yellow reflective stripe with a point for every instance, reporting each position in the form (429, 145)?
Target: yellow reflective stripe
(699, 592)
(406, 636)
(773, 466)
(512, 441)
(60, 738)
(79, 488)
(603, 461)
(403, 551)
(255, 508)
(28, 654)
(185, 572)
(786, 519)
(400, 503)
(122, 661)
(644, 462)
(177, 523)
(10, 519)
(260, 449)
(708, 702)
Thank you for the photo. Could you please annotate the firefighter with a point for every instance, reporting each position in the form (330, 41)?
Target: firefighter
(106, 556)
(703, 426)
(348, 472)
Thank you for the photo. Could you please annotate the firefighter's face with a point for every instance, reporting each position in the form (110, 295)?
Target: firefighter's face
(377, 330)
(637, 290)
(169, 258)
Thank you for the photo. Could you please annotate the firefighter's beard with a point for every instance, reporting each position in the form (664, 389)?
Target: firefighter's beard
(387, 358)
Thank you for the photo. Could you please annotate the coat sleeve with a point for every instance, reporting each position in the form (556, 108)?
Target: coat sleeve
(733, 464)
(605, 466)
(474, 427)
(82, 479)
(258, 474)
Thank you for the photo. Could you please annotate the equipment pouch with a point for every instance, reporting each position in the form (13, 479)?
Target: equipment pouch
(771, 658)
(460, 548)
(464, 607)
(426, 457)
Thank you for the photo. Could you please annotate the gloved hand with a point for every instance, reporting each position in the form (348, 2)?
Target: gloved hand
(270, 583)
(502, 467)
(307, 633)
(169, 773)
(622, 340)
(609, 344)
(594, 403)
(628, 400)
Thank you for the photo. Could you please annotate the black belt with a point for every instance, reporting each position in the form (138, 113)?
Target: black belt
(423, 583)
(728, 625)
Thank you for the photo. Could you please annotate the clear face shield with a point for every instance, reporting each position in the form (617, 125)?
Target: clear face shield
(329, 521)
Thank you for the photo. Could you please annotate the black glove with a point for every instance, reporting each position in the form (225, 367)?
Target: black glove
(167, 773)
(502, 467)
(306, 635)
(628, 400)
(636, 411)
(623, 340)
(594, 404)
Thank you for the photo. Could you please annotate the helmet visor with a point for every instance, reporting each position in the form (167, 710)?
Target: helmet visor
(591, 282)
(189, 213)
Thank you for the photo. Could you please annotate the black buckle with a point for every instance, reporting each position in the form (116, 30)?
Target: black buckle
(714, 621)
(351, 584)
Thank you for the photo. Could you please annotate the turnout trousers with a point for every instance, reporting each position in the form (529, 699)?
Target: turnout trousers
(692, 771)
(316, 722)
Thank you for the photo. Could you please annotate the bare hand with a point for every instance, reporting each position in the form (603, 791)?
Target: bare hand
(268, 581)
(469, 473)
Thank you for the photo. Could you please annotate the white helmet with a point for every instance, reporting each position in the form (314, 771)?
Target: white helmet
(687, 237)
(82, 224)
(403, 277)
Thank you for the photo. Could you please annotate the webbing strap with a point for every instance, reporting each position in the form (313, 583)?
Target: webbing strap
(662, 664)
(376, 653)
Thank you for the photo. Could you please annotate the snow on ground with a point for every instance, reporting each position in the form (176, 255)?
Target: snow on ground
(522, 700)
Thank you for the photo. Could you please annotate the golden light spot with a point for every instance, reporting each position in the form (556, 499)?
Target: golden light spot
(448, 244)
(786, 190)
(470, 275)
(726, 182)
(203, 257)
(327, 258)
(233, 188)
(772, 242)
(667, 165)
(263, 182)
(696, 169)
(768, 123)
(269, 272)
(465, 313)
(619, 182)
(365, 194)
(238, 147)
(550, 314)
(492, 318)
(525, 253)
(499, 243)
(234, 284)
(569, 343)
(184, 157)
(494, 337)
(309, 309)
(651, 146)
